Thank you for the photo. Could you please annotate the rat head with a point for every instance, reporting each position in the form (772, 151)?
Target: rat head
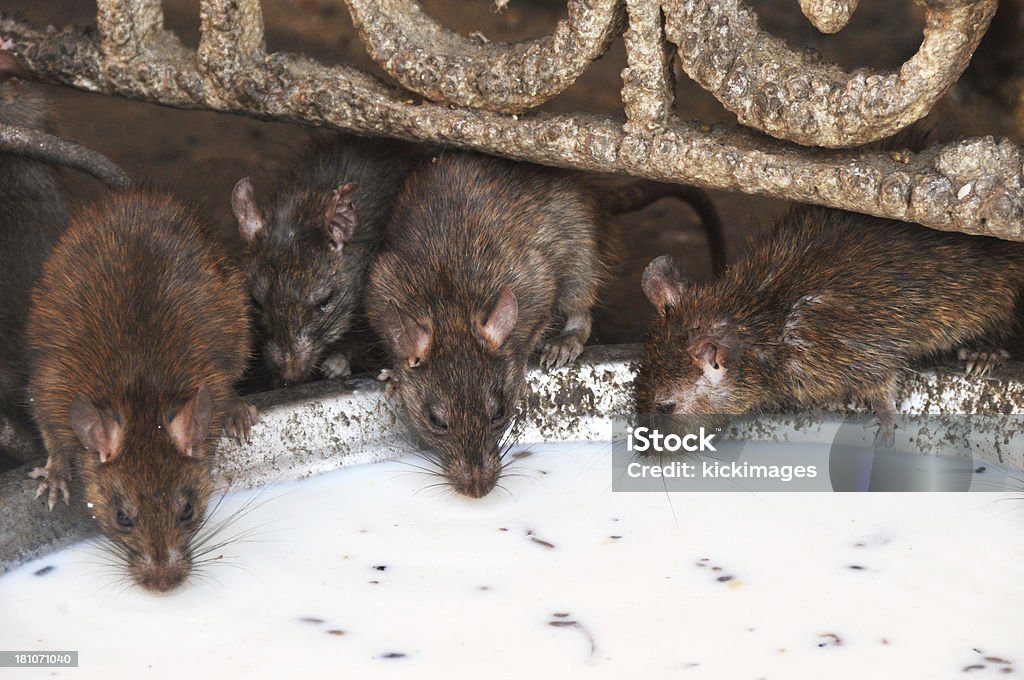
(696, 370)
(304, 269)
(460, 392)
(147, 483)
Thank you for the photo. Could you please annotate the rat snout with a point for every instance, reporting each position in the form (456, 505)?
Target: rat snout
(162, 574)
(665, 407)
(474, 480)
(293, 362)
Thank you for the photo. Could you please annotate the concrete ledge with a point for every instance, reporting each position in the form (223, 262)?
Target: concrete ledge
(315, 428)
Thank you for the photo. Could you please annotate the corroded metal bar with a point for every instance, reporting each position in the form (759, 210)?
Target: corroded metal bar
(444, 66)
(974, 185)
(231, 38)
(126, 27)
(648, 83)
(791, 94)
(829, 16)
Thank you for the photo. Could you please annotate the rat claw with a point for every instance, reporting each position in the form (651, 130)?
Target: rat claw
(978, 364)
(561, 350)
(54, 485)
(241, 417)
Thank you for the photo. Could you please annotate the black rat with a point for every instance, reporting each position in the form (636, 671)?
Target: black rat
(310, 245)
(483, 257)
(138, 329)
(831, 306)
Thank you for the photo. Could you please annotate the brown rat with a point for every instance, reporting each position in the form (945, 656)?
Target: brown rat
(308, 250)
(831, 306)
(484, 256)
(137, 331)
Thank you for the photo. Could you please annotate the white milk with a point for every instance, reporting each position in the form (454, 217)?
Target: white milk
(635, 585)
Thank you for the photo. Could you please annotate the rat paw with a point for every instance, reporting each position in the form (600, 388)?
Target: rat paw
(979, 363)
(54, 484)
(885, 436)
(336, 366)
(560, 350)
(241, 417)
(390, 380)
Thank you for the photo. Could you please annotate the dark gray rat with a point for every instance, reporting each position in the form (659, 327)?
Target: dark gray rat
(310, 245)
(485, 261)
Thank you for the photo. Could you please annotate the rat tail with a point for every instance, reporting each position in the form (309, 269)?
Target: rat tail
(42, 146)
(641, 193)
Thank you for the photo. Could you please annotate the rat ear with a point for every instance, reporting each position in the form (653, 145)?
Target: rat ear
(190, 426)
(10, 66)
(495, 330)
(663, 282)
(340, 219)
(409, 340)
(97, 431)
(709, 353)
(243, 204)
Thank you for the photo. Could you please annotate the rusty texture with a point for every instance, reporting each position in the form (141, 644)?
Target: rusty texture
(791, 94)
(973, 185)
(829, 16)
(444, 66)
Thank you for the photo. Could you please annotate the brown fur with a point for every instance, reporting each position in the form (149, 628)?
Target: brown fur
(466, 228)
(135, 311)
(832, 306)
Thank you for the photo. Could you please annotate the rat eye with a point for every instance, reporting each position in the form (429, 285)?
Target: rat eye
(499, 415)
(186, 513)
(323, 304)
(124, 521)
(437, 422)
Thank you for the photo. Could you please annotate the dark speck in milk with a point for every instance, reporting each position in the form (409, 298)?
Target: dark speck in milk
(393, 655)
(335, 631)
(311, 619)
(380, 567)
(857, 567)
(830, 640)
(539, 541)
(44, 571)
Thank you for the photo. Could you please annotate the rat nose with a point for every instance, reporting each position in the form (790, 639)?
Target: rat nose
(161, 575)
(666, 407)
(292, 363)
(476, 482)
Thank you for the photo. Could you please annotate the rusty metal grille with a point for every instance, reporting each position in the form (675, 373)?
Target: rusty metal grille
(473, 94)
